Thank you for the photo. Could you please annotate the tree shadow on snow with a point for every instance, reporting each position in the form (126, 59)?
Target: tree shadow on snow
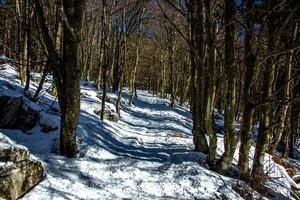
(129, 147)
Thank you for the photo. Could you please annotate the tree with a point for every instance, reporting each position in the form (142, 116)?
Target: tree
(248, 88)
(196, 19)
(230, 137)
(66, 69)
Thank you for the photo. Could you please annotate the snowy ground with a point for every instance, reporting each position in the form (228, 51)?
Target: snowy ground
(147, 154)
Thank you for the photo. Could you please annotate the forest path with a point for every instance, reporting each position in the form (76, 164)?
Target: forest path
(150, 130)
(147, 154)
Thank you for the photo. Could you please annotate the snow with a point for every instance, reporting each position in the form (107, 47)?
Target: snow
(147, 154)
(4, 58)
(49, 120)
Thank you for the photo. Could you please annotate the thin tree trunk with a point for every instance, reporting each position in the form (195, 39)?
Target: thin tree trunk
(196, 11)
(137, 54)
(108, 44)
(283, 109)
(230, 137)
(211, 85)
(42, 81)
(123, 63)
(265, 133)
(118, 102)
(28, 58)
(248, 104)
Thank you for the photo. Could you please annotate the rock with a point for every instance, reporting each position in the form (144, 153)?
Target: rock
(18, 173)
(16, 114)
(20, 179)
(13, 153)
(177, 134)
(6, 168)
(8, 117)
(109, 115)
(27, 117)
(108, 98)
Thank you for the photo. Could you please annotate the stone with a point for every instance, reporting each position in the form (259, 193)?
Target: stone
(27, 118)
(108, 98)
(18, 172)
(109, 115)
(13, 153)
(8, 117)
(6, 168)
(16, 114)
(24, 176)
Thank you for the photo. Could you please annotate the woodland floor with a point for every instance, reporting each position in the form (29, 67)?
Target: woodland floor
(147, 154)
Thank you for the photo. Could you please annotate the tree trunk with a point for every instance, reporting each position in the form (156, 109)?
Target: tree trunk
(196, 12)
(118, 102)
(283, 109)
(123, 62)
(137, 54)
(42, 81)
(248, 101)
(230, 137)
(108, 44)
(163, 74)
(265, 133)
(69, 94)
(28, 58)
(171, 52)
(211, 28)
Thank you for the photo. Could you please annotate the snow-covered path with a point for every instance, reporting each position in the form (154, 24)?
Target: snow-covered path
(147, 154)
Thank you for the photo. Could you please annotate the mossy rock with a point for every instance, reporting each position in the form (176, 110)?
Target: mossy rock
(22, 177)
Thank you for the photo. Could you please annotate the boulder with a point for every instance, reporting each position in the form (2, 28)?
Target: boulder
(19, 178)
(108, 98)
(27, 118)
(18, 172)
(16, 114)
(8, 117)
(13, 153)
(109, 115)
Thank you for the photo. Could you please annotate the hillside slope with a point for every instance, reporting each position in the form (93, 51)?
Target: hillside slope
(147, 154)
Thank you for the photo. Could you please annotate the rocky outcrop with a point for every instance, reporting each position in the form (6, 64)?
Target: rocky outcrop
(16, 114)
(108, 98)
(18, 173)
(109, 115)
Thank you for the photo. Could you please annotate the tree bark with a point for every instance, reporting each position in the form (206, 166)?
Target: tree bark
(196, 12)
(137, 58)
(265, 133)
(248, 101)
(230, 137)
(211, 29)
(69, 94)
